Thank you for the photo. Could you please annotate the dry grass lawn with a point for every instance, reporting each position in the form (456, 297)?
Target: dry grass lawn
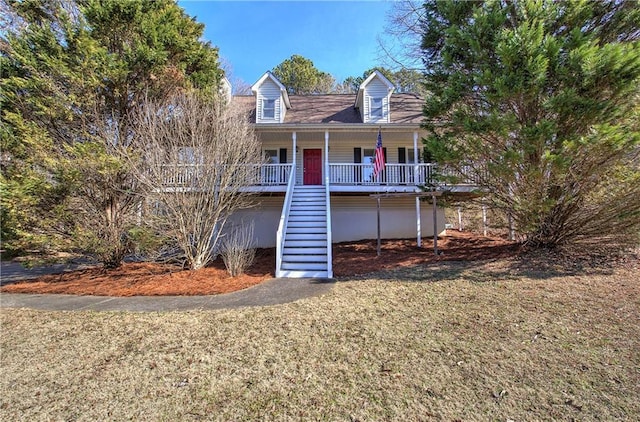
(447, 341)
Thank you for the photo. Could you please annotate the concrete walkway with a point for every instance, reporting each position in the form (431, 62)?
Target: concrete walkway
(271, 292)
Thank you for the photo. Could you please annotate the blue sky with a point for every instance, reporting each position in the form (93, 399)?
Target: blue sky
(338, 36)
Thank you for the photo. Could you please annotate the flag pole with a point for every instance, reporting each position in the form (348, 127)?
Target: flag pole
(379, 246)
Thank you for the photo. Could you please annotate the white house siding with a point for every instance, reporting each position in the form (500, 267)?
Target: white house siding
(341, 145)
(376, 88)
(355, 218)
(265, 218)
(269, 90)
(352, 218)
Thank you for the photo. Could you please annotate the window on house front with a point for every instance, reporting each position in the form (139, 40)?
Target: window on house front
(272, 156)
(189, 155)
(368, 157)
(376, 108)
(411, 155)
(268, 108)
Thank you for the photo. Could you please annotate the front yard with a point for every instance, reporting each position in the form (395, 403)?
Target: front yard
(502, 340)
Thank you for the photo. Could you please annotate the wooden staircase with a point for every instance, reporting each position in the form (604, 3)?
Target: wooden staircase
(305, 252)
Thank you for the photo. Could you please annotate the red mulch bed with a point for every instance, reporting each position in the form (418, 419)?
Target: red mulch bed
(351, 258)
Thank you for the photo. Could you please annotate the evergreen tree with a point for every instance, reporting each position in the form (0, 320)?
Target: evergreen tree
(301, 77)
(539, 101)
(74, 74)
(405, 80)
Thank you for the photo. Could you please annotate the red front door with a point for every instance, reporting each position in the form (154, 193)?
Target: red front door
(312, 166)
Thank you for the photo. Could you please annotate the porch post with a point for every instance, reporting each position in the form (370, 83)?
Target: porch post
(415, 160)
(418, 228)
(379, 242)
(484, 219)
(326, 156)
(435, 225)
(512, 232)
(294, 154)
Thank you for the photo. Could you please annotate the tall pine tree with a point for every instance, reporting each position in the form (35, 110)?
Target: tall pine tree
(540, 99)
(74, 73)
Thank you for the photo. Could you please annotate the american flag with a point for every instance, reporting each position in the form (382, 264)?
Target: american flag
(378, 165)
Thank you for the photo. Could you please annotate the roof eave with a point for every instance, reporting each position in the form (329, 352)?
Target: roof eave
(283, 89)
(335, 127)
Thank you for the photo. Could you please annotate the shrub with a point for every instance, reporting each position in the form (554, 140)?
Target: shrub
(238, 252)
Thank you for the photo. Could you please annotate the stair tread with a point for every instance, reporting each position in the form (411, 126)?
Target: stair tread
(303, 266)
(311, 236)
(304, 259)
(304, 251)
(305, 243)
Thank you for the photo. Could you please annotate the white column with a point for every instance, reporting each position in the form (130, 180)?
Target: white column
(418, 228)
(415, 158)
(435, 225)
(484, 219)
(295, 155)
(326, 156)
(512, 231)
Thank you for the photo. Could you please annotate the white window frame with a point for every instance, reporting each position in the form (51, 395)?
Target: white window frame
(376, 112)
(367, 170)
(189, 156)
(272, 108)
(272, 156)
(410, 155)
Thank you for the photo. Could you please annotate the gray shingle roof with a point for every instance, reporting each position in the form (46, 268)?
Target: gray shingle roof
(338, 108)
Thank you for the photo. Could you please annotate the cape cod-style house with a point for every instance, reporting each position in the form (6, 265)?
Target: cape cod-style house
(316, 188)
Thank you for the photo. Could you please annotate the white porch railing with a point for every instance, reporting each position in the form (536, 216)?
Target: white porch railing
(282, 225)
(275, 174)
(327, 190)
(339, 174)
(265, 174)
(394, 174)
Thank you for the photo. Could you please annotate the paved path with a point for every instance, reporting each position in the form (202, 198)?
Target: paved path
(271, 292)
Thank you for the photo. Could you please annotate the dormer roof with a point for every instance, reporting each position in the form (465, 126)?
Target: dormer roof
(338, 109)
(374, 74)
(283, 89)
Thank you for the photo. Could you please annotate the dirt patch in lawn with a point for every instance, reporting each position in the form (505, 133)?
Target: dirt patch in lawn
(351, 258)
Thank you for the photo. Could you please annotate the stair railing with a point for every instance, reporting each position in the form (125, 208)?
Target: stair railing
(327, 186)
(284, 218)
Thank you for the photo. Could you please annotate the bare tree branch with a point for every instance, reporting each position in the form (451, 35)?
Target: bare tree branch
(200, 156)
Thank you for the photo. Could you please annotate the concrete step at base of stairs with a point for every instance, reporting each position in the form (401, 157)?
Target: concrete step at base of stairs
(303, 274)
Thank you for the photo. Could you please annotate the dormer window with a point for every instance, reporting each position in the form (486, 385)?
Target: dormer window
(268, 108)
(372, 99)
(272, 100)
(376, 108)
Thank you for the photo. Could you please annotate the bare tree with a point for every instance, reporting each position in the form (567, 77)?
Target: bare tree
(200, 154)
(238, 85)
(400, 45)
